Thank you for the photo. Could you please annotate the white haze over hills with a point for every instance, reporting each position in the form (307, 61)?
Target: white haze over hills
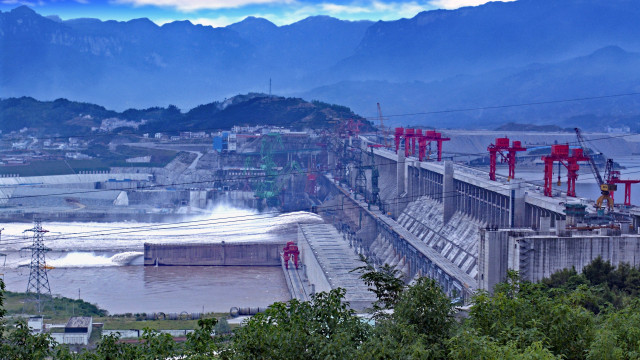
(500, 53)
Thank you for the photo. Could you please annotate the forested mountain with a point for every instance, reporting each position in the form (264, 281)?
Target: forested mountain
(63, 117)
(499, 53)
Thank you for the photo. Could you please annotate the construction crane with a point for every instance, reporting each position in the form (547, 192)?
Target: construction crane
(606, 188)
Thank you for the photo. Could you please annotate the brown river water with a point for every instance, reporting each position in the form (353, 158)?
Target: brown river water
(102, 262)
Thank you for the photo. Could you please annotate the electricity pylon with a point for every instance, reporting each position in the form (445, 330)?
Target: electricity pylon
(38, 279)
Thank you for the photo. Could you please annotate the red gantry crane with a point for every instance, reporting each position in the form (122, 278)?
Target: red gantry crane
(613, 177)
(560, 153)
(501, 147)
(424, 140)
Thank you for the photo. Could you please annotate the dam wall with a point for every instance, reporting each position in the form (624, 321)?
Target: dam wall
(214, 254)
(537, 255)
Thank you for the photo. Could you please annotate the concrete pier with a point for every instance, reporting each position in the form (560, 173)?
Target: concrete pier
(214, 254)
(536, 254)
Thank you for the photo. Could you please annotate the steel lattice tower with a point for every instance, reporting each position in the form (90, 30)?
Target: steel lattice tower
(38, 279)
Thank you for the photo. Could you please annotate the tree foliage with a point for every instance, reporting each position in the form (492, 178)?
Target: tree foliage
(386, 283)
(571, 315)
(324, 328)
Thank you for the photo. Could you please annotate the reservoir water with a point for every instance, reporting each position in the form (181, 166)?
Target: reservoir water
(102, 262)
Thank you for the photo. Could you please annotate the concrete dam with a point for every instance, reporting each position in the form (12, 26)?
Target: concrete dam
(452, 223)
(440, 219)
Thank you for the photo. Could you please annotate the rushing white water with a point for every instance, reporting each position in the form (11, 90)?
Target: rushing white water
(104, 261)
(84, 259)
(223, 224)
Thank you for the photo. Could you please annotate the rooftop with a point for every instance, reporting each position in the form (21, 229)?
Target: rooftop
(79, 322)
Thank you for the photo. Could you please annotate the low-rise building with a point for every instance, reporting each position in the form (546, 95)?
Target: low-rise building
(76, 332)
(35, 324)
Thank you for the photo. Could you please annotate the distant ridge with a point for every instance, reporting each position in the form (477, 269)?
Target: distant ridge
(69, 118)
(521, 51)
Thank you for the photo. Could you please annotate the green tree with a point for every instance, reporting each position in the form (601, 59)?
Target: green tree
(323, 328)
(19, 343)
(200, 343)
(598, 271)
(22, 344)
(521, 313)
(619, 335)
(386, 283)
(419, 328)
(426, 307)
(470, 345)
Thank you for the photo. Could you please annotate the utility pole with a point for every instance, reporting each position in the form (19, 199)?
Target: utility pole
(38, 279)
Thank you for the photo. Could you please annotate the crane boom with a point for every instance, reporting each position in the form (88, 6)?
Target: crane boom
(592, 163)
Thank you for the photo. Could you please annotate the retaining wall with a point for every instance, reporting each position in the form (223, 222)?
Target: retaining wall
(216, 254)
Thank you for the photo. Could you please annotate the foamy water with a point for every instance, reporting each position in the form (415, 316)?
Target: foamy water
(94, 244)
(104, 260)
(223, 224)
(88, 259)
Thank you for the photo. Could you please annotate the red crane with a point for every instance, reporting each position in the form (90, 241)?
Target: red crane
(310, 185)
(290, 251)
(409, 139)
(501, 146)
(613, 177)
(398, 137)
(423, 139)
(416, 139)
(560, 153)
(353, 127)
(432, 135)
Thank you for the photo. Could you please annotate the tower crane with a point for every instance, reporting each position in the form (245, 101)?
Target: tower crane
(606, 187)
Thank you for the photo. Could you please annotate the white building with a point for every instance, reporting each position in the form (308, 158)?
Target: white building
(36, 324)
(76, 332)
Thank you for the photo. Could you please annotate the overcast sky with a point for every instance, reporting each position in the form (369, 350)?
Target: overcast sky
(224, 12)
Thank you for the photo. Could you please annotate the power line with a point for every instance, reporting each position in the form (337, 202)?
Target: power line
(213, 220)
(234, 220)
(510, 105)
(189, 224)
(240, 178)
(261, 176)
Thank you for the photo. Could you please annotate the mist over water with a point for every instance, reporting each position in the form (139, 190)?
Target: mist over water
(105, 260)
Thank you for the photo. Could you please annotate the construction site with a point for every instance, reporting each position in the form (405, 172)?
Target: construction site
(450, 205)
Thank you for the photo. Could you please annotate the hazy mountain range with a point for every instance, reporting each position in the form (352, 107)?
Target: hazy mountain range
(522, 52)
(64, 118)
